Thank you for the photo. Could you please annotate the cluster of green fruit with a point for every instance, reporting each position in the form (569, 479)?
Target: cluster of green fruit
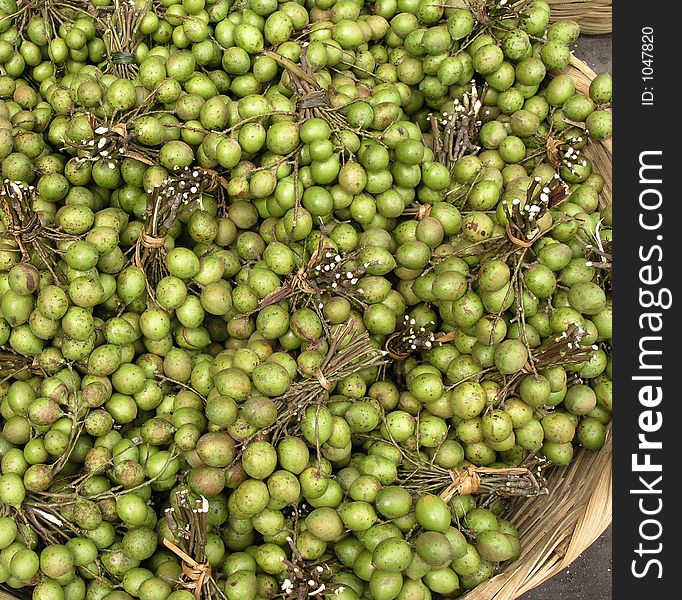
(289, 291)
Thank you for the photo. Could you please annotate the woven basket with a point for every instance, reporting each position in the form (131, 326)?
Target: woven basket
(556, 528)
(593, 16)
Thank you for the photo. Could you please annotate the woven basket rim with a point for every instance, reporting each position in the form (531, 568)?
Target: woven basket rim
(595, 17)
(555, 529)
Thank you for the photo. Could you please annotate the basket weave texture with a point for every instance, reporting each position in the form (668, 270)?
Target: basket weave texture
(593, 16)
(556, 528)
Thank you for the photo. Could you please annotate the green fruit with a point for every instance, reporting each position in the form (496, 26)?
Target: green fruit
(432, 513)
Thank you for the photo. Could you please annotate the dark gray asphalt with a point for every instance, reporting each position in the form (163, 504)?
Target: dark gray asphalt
(589, 577)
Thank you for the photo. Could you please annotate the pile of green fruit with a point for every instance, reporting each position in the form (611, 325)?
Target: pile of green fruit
(293, 295)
